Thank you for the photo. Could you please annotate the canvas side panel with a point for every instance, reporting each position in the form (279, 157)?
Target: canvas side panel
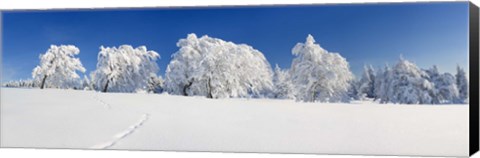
(474, 59)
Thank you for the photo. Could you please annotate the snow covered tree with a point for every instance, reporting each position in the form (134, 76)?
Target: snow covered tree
(406, 84)
(215, 68)
(58, 68)
(366, 83)
(353, 91)
(283, 86)
(124, 69)
(445, 85)
(380, 85)
(462, 85)
(433, 73)
(86, 84)
(446, 88)
(20, 84)
(155, 84)
(318, 74)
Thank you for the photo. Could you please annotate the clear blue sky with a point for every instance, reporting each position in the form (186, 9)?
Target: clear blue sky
(425, 33)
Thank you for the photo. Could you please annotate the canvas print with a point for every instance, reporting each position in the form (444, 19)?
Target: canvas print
(377, 79)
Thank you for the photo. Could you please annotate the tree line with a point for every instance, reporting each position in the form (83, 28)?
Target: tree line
(214, 68)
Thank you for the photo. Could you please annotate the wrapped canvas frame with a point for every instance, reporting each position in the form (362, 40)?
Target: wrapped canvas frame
(474, 82)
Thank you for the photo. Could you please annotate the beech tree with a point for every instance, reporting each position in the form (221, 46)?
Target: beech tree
(318, 74)
(215, 68)
(58, 68)
(124, 69)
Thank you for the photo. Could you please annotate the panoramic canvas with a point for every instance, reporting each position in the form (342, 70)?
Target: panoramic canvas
(379, 79)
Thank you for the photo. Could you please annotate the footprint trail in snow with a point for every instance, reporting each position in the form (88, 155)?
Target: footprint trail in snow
(122, 134)
(105, 105)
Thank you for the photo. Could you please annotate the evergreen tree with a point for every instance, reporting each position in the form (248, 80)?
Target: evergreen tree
(367, 83)
(462, 85)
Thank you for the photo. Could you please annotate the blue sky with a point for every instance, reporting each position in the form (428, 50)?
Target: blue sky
(424, 33)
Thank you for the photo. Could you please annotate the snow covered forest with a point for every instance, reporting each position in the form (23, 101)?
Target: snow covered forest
(214, 68)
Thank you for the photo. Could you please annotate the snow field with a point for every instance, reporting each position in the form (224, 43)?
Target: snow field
(54, 118)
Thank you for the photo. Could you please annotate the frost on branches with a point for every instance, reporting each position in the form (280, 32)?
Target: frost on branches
(215, 68)
(58, 68)
(283, 86)
(318, 74)
(124, 69)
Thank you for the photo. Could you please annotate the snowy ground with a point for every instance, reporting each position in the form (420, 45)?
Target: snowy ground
(85, 119)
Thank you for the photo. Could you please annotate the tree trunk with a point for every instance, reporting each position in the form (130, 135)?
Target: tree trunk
(106, 87)
(209, 95)
(314, 92)
(186, 87)
(43, 82)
